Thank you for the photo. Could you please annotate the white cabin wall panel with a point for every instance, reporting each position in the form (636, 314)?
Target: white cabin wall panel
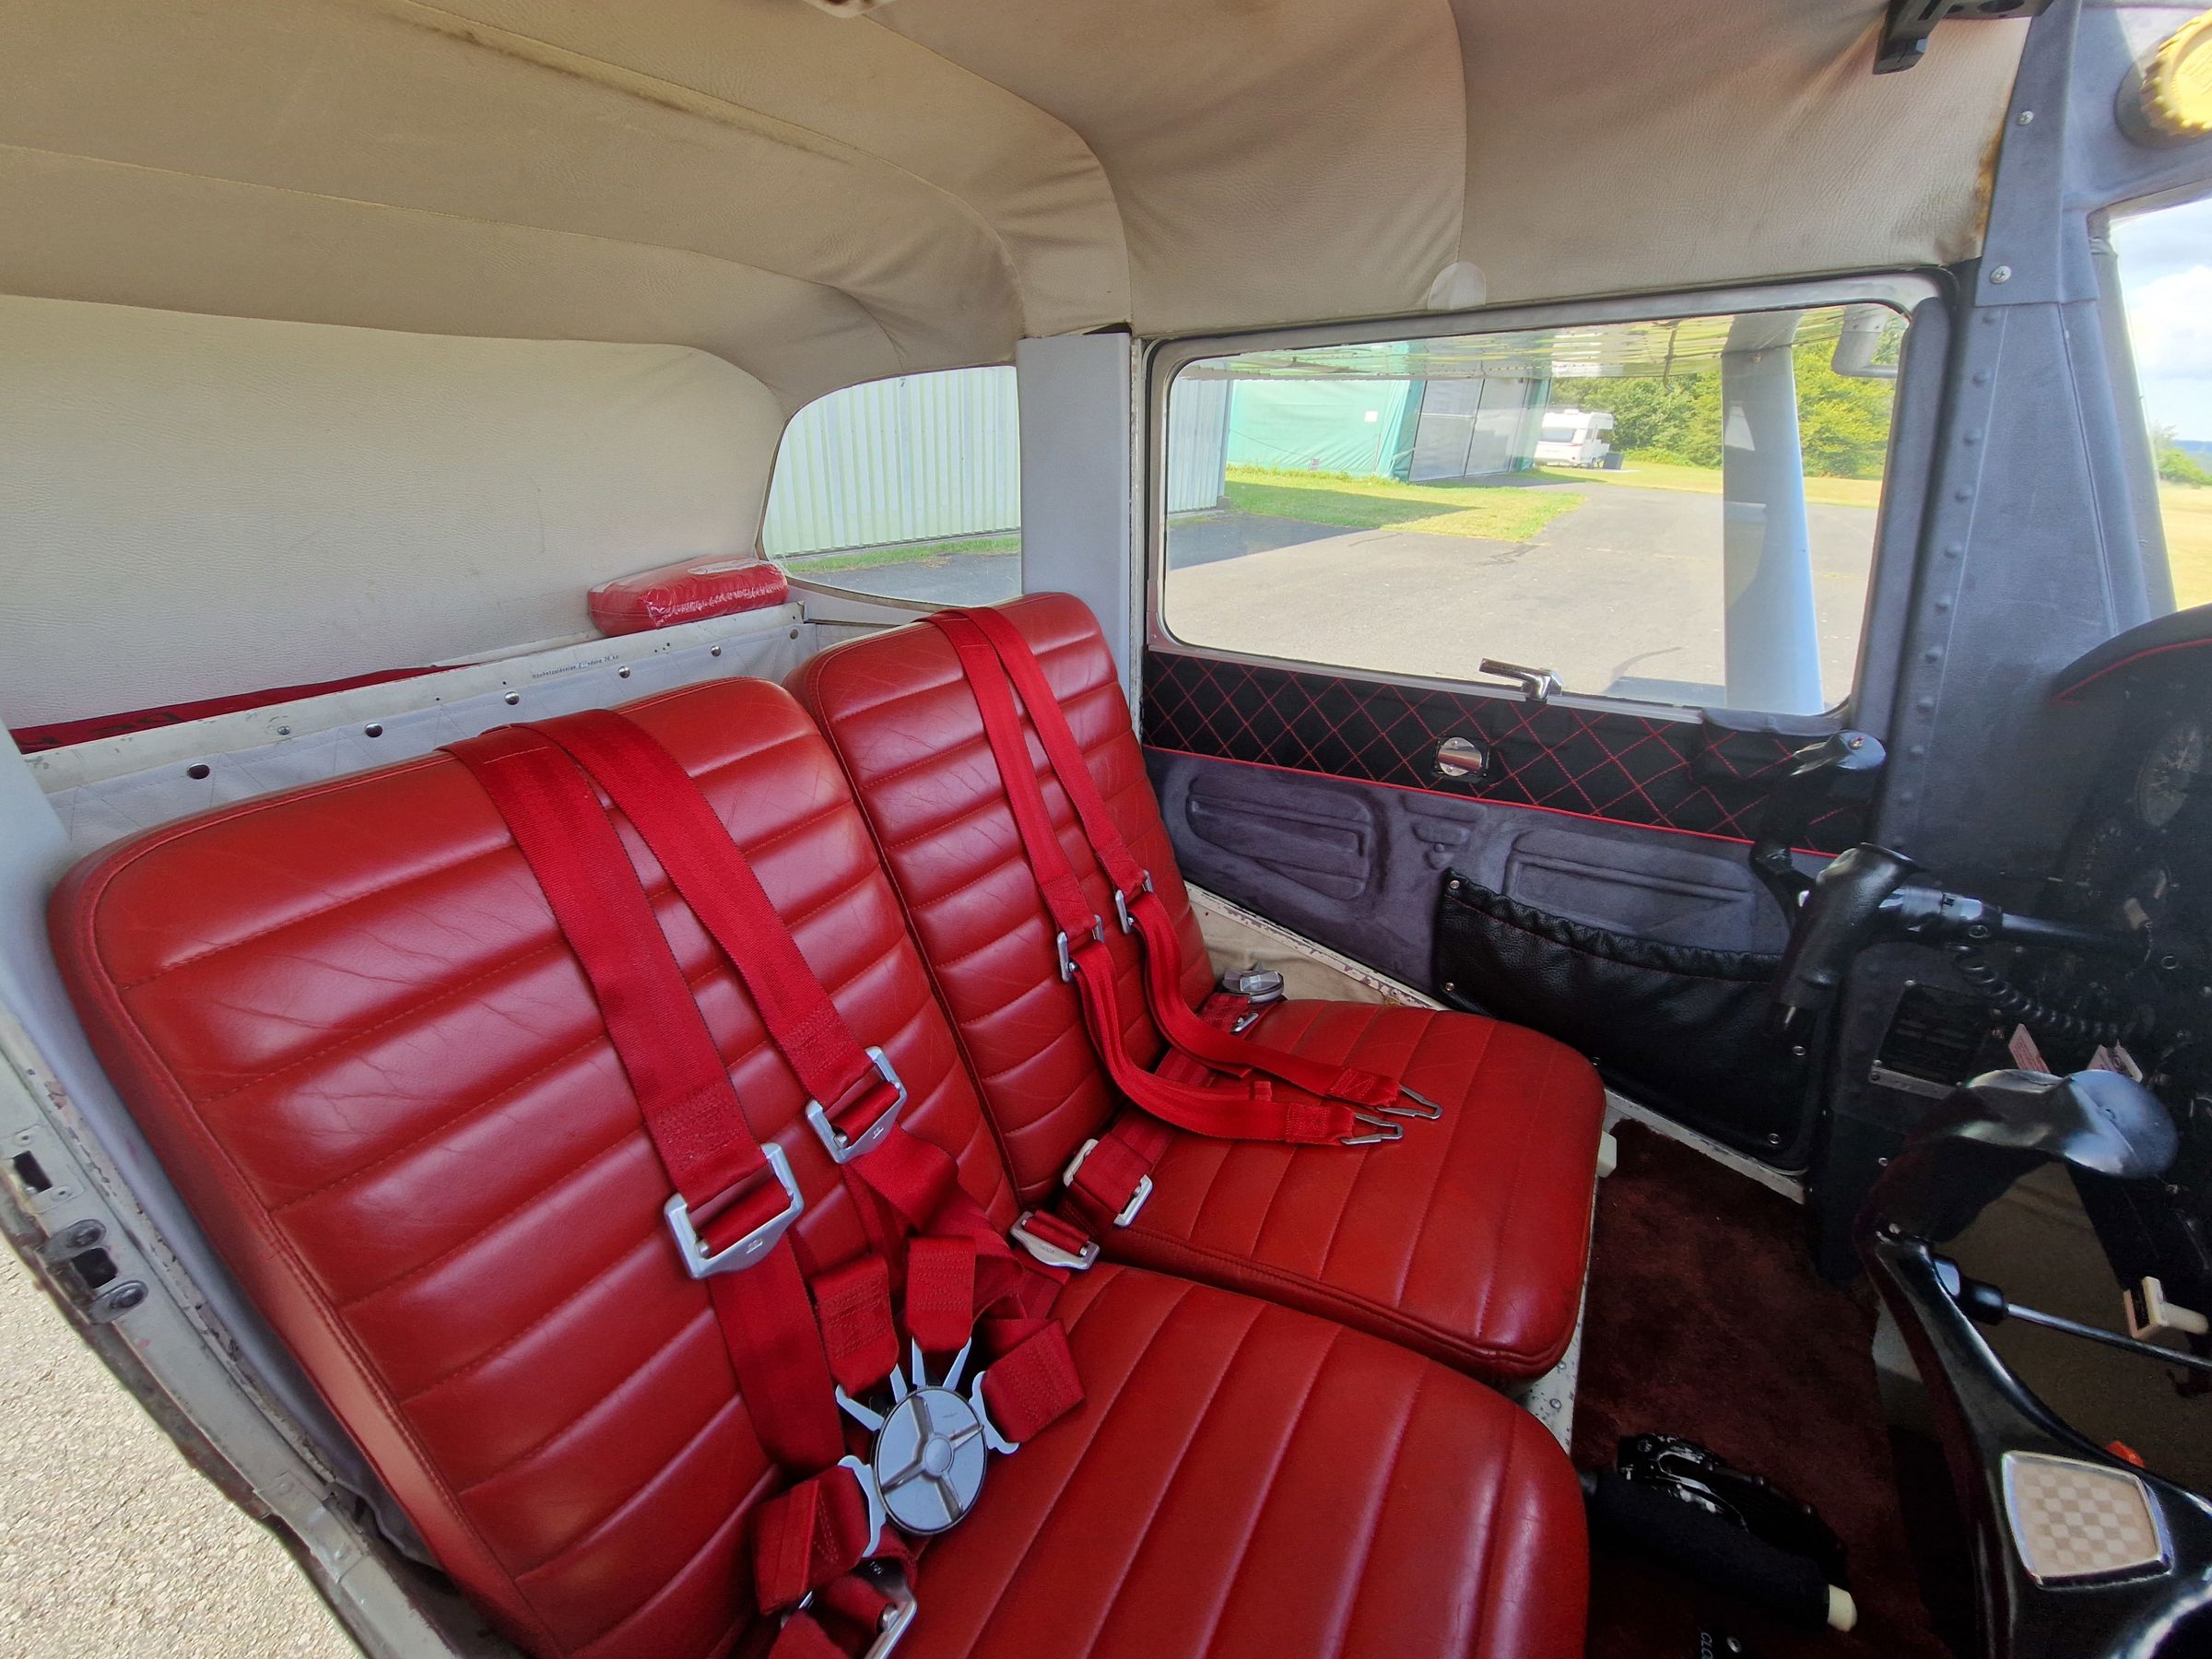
(195, 506)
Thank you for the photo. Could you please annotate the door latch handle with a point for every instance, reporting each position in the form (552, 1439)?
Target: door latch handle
(1538, 685)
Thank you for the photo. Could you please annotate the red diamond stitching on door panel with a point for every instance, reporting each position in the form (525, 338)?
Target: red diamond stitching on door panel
(1633, 769)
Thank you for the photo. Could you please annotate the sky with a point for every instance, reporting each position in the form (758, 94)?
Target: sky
(2166, 275)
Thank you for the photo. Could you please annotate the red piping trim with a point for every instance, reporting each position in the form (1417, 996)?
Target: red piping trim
(1446, 794)
(2069, 693)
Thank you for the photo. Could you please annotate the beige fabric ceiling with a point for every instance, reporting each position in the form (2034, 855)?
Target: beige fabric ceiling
(823, 200)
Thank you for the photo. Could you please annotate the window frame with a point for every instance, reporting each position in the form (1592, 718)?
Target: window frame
(802, 583)
(1897, 514)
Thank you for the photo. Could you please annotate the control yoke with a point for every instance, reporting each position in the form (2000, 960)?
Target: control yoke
(1868, 893)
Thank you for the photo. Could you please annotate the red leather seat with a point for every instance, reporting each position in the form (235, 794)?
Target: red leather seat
(1244, 1479)
(1466, 1240)
(351, 1031)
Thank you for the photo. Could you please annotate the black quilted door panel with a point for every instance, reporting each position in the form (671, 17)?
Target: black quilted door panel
(1316, 798)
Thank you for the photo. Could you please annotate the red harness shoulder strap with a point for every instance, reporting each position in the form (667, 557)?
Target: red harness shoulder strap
(1245, 1110)
(733, 1201)
(1141, 910)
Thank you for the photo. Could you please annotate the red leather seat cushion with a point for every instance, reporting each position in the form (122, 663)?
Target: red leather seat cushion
(1467, 1239)
(1245, 1479)
(351, 1031)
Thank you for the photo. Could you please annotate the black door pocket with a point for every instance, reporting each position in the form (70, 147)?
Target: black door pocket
(1677, 1026)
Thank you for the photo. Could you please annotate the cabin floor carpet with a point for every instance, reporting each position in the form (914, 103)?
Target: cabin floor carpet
(1706, 1319)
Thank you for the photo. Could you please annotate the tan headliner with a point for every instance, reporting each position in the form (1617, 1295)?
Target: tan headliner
(823, 200)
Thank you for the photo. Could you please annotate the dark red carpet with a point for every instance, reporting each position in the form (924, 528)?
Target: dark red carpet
(1706, 1320)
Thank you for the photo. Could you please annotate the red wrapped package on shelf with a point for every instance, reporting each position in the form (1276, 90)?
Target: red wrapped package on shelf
(687, 592)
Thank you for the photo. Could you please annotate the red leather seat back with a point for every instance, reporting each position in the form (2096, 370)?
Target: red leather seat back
(902, 718)
(355, 1039)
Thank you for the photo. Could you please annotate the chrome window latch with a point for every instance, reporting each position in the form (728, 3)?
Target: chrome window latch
(1538, 685)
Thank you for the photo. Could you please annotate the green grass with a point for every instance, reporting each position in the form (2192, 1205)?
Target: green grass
(898, 553)
(1509, 512)
(2187, 509)
(1638, 474)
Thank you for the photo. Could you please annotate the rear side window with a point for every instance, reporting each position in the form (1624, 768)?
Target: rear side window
(1676, 511)
(904, 489)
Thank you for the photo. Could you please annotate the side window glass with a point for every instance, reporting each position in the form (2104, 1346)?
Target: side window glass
(2166, 280)
(905, 488)
(1678, 512)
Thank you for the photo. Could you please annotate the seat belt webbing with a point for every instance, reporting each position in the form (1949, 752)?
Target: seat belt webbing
(916, 1178)
(1245, 1111)
(1142, 909)
(683, 1091)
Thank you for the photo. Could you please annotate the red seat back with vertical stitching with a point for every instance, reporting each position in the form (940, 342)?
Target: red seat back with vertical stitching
(902, 718)
(352, 1032)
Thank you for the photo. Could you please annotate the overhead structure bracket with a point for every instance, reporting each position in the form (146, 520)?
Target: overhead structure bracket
(1906, 30)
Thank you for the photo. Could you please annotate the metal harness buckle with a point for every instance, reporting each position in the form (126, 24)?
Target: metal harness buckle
(887, 1576)
(1422, 1107)
(833, 1139)
(735, 1258)
(1121, 902)
(1067, 962)
(1050, 1254)
(1136, 1199)
(1383, 1129)
(925, 1469)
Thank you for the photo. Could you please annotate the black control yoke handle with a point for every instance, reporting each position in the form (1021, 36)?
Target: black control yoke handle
(1841, 767)
(1843, 907)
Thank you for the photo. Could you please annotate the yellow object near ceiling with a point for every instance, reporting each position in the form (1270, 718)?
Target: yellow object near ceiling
(2176, 90)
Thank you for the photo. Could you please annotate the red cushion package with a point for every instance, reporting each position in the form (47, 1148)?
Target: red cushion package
(687, 592)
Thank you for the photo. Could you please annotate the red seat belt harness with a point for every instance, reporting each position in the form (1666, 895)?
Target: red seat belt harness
(825, 1548)
(1213, 1080)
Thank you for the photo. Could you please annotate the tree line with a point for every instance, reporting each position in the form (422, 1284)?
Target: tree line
(1842, 421)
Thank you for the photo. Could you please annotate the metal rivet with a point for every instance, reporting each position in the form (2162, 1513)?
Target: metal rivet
(373, 730)
(284, 730)
(623, 672)
(1924, 703)
(198, 768)
(794, 633)
(1935, 653)
(1942, 602)
(512, 698)
(1775, 1140)
(2025, 118)
(2002, 274)
(714, 651)
(78, 1235)
(116, 1300)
